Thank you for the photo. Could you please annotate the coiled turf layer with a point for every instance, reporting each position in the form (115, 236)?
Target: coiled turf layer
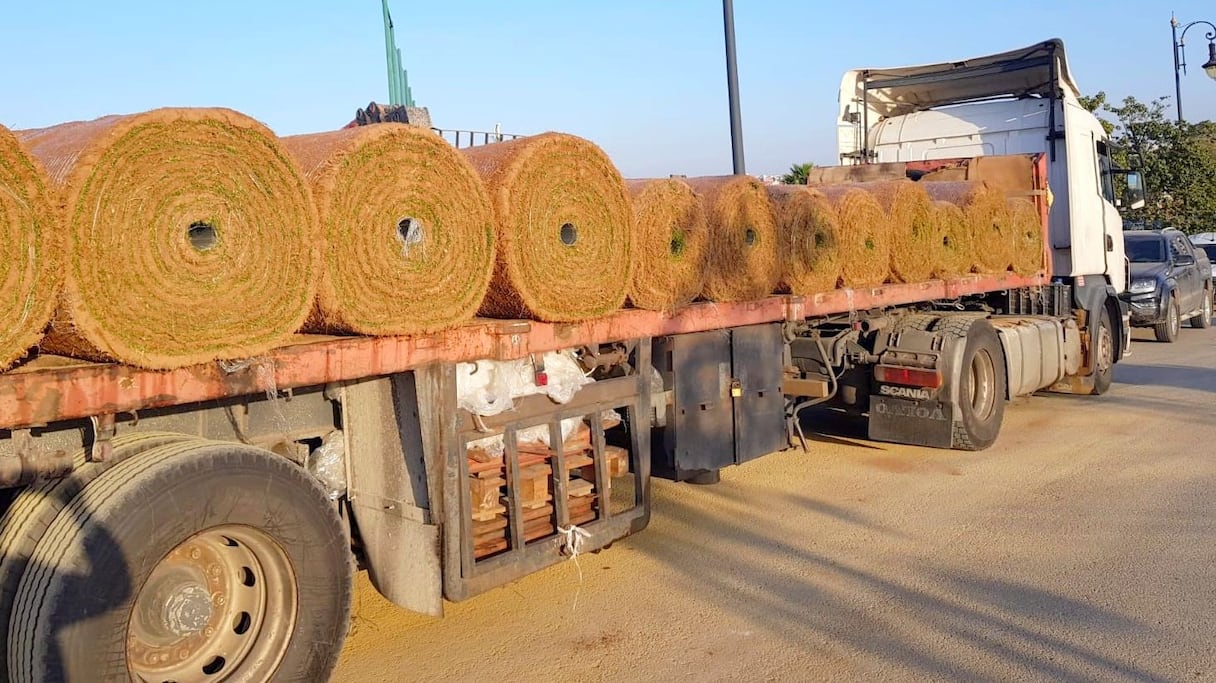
(407, 230)
(672, 236)
(192, 237)
(744, 262)
(865, 243)
(810, 239)
(30, 272)
(565, 230)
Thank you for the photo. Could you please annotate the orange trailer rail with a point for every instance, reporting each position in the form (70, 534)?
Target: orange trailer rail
(53, 388)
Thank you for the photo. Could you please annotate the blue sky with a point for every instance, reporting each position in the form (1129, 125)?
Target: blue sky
(645, 80)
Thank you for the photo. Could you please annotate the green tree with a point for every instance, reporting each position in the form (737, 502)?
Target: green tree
(1178, 160)
(797, 174)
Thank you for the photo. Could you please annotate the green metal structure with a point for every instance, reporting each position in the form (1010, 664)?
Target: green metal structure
(398, 81)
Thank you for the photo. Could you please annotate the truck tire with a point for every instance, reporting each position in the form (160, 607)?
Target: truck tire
(981, 389)
(36, 506)
(1167, 330)
(1104, 354)
(192, 561)
(1204, 319)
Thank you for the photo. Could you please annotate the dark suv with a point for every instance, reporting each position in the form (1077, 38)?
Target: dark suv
(1171, 282)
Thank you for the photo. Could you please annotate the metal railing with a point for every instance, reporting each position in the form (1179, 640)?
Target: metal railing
(473, 138)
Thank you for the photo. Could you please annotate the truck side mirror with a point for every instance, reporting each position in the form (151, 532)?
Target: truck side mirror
(1134, 194)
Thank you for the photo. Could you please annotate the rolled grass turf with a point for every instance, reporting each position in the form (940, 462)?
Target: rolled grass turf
(407, 233)
(191, 237)
(31, 272)
(564, 225)
(744, 258)
(672, 239)
(810, 239)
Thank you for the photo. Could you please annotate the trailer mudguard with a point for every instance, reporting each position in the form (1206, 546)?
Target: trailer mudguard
(389, 491)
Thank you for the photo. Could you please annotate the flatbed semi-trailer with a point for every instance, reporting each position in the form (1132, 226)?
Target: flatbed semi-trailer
(203, 523)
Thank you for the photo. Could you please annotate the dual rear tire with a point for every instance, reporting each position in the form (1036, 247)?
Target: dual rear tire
(187, 561)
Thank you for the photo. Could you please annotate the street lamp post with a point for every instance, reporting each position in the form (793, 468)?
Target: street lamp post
(1209, 66)
(732, 87)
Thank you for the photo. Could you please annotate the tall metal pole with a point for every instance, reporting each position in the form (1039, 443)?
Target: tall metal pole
(732, 88)
(1177, 65)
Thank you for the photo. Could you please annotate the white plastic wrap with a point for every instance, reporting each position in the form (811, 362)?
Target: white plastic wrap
(494, 446)
(482, 388)
(490, 387)
(327, 463)
(540, 433)
(565, 377)
(656, 382)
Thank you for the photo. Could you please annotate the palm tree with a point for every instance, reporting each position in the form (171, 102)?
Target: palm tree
(797, 174)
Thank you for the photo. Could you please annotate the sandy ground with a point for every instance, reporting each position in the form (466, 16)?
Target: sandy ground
(1081, 547)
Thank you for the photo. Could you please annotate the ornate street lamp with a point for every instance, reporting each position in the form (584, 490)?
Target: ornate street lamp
(1209, 66)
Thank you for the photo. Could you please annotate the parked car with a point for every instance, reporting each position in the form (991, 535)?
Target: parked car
(1206, 241)
(1171, 282)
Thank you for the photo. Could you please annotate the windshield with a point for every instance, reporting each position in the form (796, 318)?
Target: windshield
(1210, 250)
(1144, 249)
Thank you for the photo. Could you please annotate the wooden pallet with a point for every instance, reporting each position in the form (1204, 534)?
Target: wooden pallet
(489, 492)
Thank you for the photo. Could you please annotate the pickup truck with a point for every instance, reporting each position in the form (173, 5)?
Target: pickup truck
(1170, 282)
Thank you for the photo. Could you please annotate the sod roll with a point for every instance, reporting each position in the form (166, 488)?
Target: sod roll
(565, 232)
(1027, 236)
(865, 239)
(744, 261)
(672, 236)
(30, 271)
(916, 239)
(988, 218)
(809, 233)
(957, 248)
(192, 237)
(407, 232)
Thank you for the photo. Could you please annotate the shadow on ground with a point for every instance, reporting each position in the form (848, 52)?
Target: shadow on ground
(915, 618)
(1176, 376)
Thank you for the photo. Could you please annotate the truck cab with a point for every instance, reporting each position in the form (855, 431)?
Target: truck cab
(1018, 102)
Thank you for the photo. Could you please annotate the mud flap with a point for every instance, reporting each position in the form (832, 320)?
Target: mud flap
(920, 423)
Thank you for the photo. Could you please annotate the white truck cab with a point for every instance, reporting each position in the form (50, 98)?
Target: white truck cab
(1018, 102)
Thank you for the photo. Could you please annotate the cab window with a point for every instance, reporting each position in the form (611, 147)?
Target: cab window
(1178, 247)
(1106, 183)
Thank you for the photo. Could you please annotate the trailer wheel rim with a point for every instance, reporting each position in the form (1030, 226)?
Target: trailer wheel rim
(1106, 348)
(221, 605)
(981, 388)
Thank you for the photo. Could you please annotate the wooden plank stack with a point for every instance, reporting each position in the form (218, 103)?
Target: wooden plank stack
(488, 489)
